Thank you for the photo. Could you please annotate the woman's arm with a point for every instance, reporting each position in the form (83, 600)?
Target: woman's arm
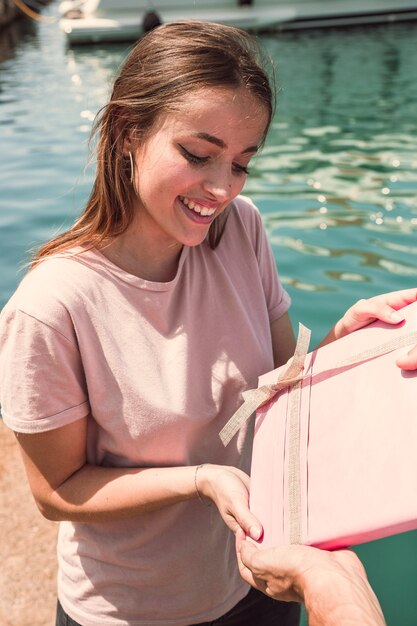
(66, 487)
(283, 339)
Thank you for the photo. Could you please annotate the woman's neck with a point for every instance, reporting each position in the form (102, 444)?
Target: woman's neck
(156, 263)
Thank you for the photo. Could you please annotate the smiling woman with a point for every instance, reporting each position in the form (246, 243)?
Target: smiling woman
(135, 337)
(186, 174)
(128, 345)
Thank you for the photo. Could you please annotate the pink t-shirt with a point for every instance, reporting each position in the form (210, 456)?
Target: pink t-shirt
(160, 367)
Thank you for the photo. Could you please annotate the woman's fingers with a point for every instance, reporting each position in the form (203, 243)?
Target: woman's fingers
(228, 488)
(241, 518)
(399, 299)
(408, 361)
(366, 311)
(385, 307)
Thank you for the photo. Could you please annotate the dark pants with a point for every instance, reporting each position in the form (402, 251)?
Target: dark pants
(255, 609)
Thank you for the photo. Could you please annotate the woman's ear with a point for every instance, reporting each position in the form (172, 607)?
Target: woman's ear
(122, 136)
(127, 145)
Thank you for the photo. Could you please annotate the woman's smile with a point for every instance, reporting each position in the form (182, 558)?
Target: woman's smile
(197, 211)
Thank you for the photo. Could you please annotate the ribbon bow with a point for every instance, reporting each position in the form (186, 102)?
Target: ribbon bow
(255, 398)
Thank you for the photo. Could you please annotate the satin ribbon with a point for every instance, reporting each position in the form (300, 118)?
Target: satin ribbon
(292, 378)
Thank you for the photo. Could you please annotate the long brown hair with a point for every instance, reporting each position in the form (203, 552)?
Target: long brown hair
(165, 66)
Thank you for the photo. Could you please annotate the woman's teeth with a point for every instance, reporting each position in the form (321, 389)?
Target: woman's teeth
(201, 210)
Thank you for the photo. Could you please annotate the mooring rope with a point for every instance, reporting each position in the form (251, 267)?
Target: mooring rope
(33, 14)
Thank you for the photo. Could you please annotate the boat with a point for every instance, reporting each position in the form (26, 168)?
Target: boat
(91, 21)
(127, 20)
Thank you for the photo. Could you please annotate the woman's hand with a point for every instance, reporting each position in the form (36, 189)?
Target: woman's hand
(385, 307)
(332, 585)
(228, 488)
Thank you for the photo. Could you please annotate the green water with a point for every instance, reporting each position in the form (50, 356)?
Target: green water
(336, 183)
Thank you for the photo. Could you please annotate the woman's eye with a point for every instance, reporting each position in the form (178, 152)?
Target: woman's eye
(240, 169)
(198, 160)
(193, 158)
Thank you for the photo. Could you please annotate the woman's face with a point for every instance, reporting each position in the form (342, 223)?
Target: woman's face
(194, 163)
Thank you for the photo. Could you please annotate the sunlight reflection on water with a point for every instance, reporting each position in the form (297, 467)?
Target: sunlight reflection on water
(336, 181)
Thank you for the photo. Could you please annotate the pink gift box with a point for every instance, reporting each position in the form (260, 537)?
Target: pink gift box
(340, 467)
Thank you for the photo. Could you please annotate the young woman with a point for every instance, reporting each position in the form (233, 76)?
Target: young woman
(127, 346)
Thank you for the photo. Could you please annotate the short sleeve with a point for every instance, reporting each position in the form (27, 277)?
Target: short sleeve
(41, 376)
(277, 299)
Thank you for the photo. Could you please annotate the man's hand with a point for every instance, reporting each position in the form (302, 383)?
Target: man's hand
(332, 585)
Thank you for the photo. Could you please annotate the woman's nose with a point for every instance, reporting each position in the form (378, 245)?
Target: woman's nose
(219, 182)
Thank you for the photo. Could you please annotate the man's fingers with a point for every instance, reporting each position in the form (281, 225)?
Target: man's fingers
(243, 546)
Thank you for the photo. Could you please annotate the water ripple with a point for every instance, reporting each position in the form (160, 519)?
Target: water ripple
(336, 182)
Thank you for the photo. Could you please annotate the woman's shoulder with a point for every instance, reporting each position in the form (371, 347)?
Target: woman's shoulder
(52, 271)
(247, 212)
(245, 207)
(51, 289)
(245, 219)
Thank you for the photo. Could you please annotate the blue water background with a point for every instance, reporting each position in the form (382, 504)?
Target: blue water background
(336, 182)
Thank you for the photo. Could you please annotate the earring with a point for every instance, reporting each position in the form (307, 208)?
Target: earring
(131, 168)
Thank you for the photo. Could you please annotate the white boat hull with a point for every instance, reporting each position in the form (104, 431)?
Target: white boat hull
(108, 21)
